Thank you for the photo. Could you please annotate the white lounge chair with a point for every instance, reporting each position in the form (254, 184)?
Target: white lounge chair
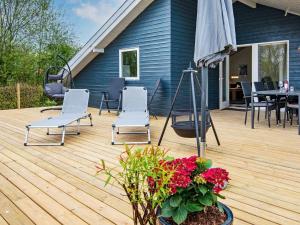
(134, 114)
(74, 109)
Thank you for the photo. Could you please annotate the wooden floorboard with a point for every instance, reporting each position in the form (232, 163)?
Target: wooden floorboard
(57, 185)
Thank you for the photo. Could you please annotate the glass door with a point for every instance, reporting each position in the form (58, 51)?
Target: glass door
(273, 62)
(224, 83)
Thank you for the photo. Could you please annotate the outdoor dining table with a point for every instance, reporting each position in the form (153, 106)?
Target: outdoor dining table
(278, 94)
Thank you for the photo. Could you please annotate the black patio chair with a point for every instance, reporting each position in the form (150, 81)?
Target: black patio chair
(270, 85)
(291, 107)
(269, 106)
(152, 95)
(259, 86)
(113, 95)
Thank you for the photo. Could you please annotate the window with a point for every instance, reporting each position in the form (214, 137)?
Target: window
(273, 62)
(129, 63)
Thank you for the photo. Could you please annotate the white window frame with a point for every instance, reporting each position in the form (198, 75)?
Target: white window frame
(137, 49)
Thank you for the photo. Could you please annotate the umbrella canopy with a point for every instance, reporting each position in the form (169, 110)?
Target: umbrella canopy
(215, 38)
(215, 31)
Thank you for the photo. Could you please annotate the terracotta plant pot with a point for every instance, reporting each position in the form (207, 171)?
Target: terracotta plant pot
(228, 212)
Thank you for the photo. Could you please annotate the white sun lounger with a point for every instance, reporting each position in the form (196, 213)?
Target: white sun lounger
(74, 109)
(134, 114)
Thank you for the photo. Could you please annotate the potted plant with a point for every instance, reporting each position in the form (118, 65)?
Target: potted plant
(170, 191)
(194, 191)
(137, 166)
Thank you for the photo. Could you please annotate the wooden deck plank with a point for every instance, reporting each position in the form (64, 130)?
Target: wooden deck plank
(25, 204)
(11, 213)
(264, 165)
(94, 191)
(2, 221)
(93, 203)
(56, 210)
(86, 214)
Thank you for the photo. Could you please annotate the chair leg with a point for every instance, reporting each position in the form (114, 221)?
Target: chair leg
(107, 105)
(258, 114)
(113, 136)
(285, 116)
(246, 114)
(78, 127)
(91, 119)
(291, 116)
(119, 104)
(63, 136)
(26, 136)
(149, 135)
(101, 104)
(266, 114)
(269, 116)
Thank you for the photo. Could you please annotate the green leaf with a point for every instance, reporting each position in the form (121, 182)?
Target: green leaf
(166, 203)
(220, 207)
(220, 196)
(167, 211)
(169, 158)
(180, 215)
(203, 189)
(103, 164)
(208, 163)
(206, 200)
(107, 180)
(194, 207)
(175, 200)
(214, 197)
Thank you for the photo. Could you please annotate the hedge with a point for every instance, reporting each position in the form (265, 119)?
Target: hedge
(30, 96)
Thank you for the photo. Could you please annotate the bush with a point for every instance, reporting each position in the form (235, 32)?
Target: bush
(8, 97)
(31, 96)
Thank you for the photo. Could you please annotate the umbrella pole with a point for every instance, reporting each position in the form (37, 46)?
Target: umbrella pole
(204, 75)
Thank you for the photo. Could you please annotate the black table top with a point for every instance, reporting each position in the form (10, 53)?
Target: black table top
(278, 93)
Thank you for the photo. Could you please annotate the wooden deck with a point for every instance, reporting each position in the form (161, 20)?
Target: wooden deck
(57, 185)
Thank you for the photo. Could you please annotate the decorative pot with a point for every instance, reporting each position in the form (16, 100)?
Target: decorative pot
(227, 211)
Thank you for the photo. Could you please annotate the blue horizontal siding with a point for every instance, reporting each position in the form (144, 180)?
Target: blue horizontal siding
(150, 32)
(265, 24)
(183, 28)
(165, 34)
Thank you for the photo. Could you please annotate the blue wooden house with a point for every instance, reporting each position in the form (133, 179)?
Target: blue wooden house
(150, 39)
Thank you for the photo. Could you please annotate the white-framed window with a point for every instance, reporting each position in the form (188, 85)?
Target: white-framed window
(273, 61)
(129, 63)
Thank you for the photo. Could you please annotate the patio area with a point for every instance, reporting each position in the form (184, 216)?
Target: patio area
(57, 185)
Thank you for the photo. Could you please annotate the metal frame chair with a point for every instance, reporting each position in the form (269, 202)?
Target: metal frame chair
(113, 94)
(74, 109)
(134, 114)
(290, 108)
(269, 106)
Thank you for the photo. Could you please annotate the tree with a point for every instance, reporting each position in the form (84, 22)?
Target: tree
(31, 34)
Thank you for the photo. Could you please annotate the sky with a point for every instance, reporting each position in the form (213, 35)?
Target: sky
(86, 16)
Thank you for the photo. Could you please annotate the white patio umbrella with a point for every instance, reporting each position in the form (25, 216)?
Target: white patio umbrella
(215, 38)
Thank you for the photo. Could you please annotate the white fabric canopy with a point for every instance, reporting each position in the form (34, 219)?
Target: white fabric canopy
(215, 31)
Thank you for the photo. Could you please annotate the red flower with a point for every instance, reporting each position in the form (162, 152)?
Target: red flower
(217, 176)
(183, 169)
